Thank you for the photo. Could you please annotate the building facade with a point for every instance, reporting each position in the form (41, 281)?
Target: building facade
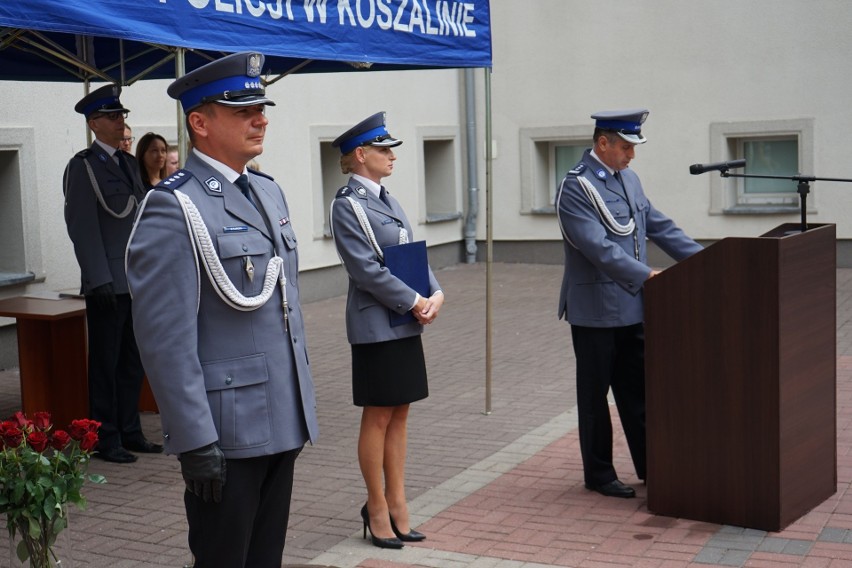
(761, 80)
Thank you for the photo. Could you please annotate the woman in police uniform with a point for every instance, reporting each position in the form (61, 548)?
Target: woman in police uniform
(388, 367)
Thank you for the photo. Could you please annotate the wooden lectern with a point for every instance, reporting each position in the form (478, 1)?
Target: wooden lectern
(740, 379)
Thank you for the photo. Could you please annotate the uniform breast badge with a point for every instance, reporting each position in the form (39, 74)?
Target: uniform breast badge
(249, 269)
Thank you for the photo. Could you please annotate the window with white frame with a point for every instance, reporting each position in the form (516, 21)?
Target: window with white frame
(547, 153)
(11, 229)
(332, 180)
(775, 156)
(20, 255)
(326, 177)
(565, 157)
(439, 180)
(439, 170)
(776, 149)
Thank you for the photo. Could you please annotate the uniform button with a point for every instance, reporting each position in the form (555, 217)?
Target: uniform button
(245, 248)
(228, 380)
(295, 340)
(165, 436)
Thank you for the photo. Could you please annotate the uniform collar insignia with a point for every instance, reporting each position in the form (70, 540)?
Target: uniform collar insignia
(361, 191)
(213, 184)
(601, 174)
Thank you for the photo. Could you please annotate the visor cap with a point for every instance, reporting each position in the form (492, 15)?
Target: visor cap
(103, 99)
(369, 132)
(233, 80)
(625, 123)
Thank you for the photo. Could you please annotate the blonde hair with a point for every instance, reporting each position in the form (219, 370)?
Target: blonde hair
(347, 162)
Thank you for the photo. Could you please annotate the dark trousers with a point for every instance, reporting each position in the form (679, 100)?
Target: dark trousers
(248, 527)
(115, 372)
(610, 357)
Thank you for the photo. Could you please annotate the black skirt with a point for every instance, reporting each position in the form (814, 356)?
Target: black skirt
(389, 373)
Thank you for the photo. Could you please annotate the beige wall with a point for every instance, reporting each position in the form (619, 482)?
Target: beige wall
(555, 62)
(691, 64)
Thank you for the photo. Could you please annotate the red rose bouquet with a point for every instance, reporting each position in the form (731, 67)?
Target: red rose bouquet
(41, 470)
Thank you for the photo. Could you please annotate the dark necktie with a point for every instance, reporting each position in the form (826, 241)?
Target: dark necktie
(383, 195)
(122, 163)
(617, 176)
(243, 183)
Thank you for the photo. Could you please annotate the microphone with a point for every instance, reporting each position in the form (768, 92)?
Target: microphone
(696, 169)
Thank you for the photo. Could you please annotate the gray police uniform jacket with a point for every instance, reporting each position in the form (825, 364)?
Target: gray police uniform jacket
(603, 278)
(373, 290)
(241, 378)
(99, 238)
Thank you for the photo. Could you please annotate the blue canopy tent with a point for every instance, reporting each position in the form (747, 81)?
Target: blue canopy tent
(123, 42)
(56, 40)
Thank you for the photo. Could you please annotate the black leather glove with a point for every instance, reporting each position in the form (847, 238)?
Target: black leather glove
(203, 471)
(104, 297)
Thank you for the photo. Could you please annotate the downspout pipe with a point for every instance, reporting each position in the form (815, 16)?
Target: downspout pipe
(473, 190)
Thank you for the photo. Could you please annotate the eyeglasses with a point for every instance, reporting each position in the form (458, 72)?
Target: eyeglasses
(112, 115)
(128, 139)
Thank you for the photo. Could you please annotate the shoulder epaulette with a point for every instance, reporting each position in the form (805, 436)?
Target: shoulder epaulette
(343, 191)
(83, 153)
(578, 169)
(261, 174)
(174, 181)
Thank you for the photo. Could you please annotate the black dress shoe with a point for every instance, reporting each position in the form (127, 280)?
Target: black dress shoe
(614, 488)
(392, 542)
(143, 446)
(115, 455)
(410, 536)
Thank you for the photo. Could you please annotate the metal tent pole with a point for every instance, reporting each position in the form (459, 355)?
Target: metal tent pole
(180, 71)
(488, 239)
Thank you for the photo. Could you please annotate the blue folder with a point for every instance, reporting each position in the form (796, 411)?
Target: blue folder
(409, 263)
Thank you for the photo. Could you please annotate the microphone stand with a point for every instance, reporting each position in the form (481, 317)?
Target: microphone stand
(803, 188)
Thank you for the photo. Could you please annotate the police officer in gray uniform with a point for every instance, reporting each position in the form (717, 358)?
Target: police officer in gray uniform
(102, 188)
(388, 363)
(213, 269)
(605, 219)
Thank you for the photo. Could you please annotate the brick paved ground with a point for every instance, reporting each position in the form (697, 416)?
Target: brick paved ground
(491, 491)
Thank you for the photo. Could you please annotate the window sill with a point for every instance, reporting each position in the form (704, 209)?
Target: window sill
(761, 210)
(15, 278)
(442, 217)
(547, 210)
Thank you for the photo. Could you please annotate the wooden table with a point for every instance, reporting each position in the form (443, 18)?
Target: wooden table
(52, 355)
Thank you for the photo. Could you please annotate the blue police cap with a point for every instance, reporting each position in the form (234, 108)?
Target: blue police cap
(625, 123)
(233, 80)
(102, 99)
(369, 132)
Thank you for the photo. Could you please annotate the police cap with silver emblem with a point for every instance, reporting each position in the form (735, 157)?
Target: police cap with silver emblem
(625, 123)
(233, 80)
(369, 132)
(103, 99)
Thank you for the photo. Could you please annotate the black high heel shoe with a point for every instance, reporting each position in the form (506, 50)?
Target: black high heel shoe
(411, 536)
(380, 542)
